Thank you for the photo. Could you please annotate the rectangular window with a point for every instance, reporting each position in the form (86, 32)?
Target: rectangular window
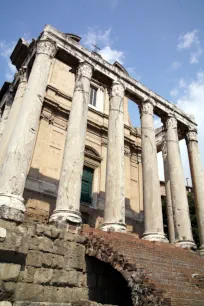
(93, 92)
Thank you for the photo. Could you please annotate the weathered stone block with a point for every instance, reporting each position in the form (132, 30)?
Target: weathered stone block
(9, 272)
(80, 294)
(5, 303)
(45, 244)
(58, 295)
(34, 259)
(76, 257)
(66, 236)
(52, 260)
(2, 234)
(52, 232)
(61, 247)
(43, 276)
(29, 292)
(27, 275)
(70, 278)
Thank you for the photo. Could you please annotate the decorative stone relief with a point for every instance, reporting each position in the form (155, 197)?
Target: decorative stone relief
(85, 70)
(147, 106)
(23, 76)
(191, 135)
(47, 46)
(171, 122)
(117, 89)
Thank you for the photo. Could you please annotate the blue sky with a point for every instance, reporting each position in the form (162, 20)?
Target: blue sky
(160, 42)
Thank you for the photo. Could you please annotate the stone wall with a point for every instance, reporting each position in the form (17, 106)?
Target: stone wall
(45, 265)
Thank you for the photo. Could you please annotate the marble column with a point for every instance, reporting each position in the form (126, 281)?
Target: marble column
(69, 192)
(153, 220)
(197, 174)
(169, 208)
(114, 212)
(13, 171)
(7, 109)
(11, 122)
(182, 223)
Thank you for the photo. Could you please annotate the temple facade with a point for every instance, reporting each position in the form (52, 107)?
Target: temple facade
(69, 154)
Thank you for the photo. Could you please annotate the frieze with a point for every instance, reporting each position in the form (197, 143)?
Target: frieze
(46, 46)
(132, 85)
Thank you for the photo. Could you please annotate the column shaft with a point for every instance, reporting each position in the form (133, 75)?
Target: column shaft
(13, 171)
(5, 115)
(69, 192)
(11, 122)
(169, 208)
(182, 224)
(151, 186)
(197, 174)
(114, 212)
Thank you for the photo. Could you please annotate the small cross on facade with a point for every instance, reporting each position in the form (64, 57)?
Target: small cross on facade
(96, 47)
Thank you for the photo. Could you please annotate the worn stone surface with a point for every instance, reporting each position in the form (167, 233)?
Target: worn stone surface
(183, 231)
(197, 174)
(9, 272)
(169, 208)
(152, 199)
(114, 212)
(17, 159)
(68, 198)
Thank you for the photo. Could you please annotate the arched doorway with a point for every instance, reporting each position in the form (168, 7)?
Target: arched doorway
(106, 285)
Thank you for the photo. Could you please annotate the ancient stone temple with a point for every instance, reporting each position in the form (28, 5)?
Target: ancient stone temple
(80, 200)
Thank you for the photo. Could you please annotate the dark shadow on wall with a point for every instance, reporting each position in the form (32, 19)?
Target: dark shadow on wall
(106, 285)
(40, 206)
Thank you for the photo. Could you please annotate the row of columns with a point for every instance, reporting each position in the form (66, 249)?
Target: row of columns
(17, 152)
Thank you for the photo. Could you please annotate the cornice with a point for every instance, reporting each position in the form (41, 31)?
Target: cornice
(135, 88)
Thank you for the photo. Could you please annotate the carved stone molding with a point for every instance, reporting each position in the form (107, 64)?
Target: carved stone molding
(171, 122)
(47, 46)
(117, 89)
(127, 152)
(191, 135)
(147, 106)
(23, 74)
(104, 142)
(85, 70)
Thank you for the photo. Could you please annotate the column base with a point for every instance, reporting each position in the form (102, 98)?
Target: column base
(201, 250)
(186, 244)
(11, 207)
(155, 237)
(114, 227)
(66, 216)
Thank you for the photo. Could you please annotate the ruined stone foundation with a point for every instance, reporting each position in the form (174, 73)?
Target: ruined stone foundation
(42, 265)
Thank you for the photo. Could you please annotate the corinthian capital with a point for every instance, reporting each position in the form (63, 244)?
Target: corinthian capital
(23, 74)
(170, 122)
(85, 70)
(117, 89)
(46, 46)
(147, 106)
(191, 135)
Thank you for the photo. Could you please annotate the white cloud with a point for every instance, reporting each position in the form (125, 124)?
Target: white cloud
(187, 40)
(111, 55)
(114, 3)
(182, 83)
(104, 42)
(191, 40)
(175, 65)
(174, 92)
(5, 52)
